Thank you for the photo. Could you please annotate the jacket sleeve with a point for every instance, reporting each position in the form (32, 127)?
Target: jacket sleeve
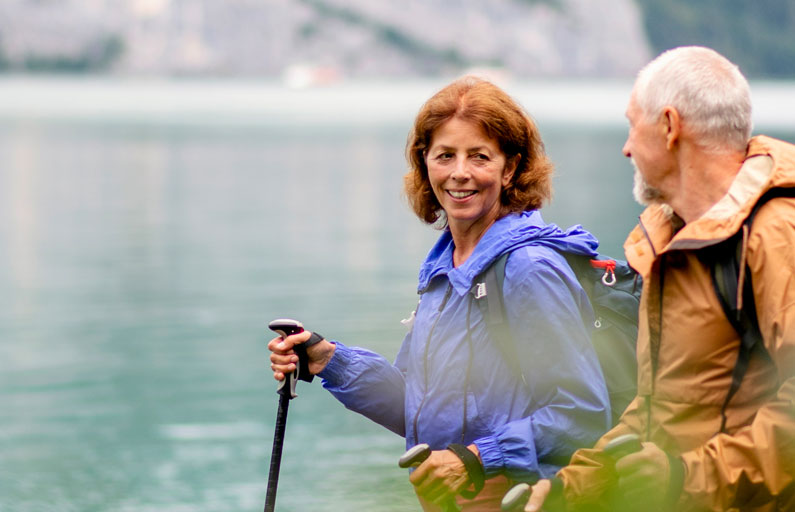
(369, 384)
(589, 478)
(757, 462)
(549, 316)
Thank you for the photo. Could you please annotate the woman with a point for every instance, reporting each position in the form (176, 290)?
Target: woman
(478, 170)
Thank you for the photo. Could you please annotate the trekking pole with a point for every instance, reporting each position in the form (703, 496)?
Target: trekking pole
(415, 456)
(516, 497)
(623, 445)
(285, 327)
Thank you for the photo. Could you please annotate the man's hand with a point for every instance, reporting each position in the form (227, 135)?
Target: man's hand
(643, 477)
(538, 495)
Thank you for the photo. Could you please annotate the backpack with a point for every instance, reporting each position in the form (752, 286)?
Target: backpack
(725, 260)
(615, 308)
(613, 288)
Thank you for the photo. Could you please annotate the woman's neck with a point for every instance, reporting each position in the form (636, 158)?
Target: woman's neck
(466, 238)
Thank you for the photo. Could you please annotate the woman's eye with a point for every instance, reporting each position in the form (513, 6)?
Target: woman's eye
(481, 157)
(444, 156)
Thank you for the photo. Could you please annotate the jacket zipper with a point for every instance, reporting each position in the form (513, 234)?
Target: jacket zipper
(447, 294)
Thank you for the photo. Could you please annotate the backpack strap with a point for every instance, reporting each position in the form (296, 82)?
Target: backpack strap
(725, 271)
(487, 293)
(725, 279)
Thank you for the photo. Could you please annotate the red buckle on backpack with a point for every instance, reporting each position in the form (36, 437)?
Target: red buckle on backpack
(609, 279)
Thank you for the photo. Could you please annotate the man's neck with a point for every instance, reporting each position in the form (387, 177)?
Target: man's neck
(705, 177)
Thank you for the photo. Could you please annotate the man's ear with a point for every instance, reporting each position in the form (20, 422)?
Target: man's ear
(672, 126)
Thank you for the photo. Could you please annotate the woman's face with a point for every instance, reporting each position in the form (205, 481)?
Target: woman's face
(467, 171)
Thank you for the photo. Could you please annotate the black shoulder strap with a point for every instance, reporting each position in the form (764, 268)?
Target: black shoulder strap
(487, 291)
(725, 273)
(488, 295)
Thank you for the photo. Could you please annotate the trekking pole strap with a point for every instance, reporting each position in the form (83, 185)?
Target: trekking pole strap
(473, 467)
(303, 358)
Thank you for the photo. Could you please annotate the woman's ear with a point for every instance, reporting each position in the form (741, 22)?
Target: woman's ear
(510, 168)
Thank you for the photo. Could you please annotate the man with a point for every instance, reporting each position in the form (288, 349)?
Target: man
(700, 177)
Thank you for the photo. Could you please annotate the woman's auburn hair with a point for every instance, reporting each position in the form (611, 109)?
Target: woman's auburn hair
(503, 120)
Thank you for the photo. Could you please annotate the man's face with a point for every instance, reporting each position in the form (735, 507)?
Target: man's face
(645, 146)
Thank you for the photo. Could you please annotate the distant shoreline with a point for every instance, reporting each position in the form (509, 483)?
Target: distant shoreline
(246, 102)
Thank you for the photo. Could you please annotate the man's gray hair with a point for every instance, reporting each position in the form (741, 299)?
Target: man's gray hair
(708, 91)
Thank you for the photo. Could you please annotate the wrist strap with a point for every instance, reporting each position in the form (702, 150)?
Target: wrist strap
(303, 359)
(555, 499)
(473, 466)
(675, 481)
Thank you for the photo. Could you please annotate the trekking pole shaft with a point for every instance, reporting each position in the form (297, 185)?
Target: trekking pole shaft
(276, 454)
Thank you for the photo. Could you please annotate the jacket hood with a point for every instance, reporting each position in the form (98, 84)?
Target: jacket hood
(511, 232)
(769, 163)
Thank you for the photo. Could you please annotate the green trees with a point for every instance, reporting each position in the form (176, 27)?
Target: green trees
(759, 36)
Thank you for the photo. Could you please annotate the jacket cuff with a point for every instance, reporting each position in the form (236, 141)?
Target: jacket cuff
(490, 455)
(337, 367)
(676, 479)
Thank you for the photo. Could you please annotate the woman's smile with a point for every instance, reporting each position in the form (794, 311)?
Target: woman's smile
(462, 194)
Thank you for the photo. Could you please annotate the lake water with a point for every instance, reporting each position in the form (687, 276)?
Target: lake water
(150, 230)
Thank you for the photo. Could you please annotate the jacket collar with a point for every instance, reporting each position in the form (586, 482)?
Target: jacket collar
(506, 234)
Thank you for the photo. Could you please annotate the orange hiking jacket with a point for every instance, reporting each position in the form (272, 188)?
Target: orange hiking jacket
(687, 350)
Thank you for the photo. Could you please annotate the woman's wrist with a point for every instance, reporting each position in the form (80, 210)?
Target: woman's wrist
(473, 466)
(319, 355)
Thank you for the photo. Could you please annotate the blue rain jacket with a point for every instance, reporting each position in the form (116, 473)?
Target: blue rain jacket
(449, 384)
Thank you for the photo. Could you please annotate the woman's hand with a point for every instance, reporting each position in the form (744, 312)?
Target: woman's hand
(441, 477)
(284, 359)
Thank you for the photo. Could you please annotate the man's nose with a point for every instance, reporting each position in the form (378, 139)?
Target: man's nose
(625, 149)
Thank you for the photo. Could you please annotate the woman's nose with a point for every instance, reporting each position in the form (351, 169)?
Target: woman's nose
(461, 170)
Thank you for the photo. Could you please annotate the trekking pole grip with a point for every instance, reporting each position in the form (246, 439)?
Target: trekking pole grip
(415, 456)
(622, 446)
(516, 498)
(285, 327)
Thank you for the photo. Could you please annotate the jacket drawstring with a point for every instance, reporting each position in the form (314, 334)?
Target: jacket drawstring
(648, 238)
(469, 368)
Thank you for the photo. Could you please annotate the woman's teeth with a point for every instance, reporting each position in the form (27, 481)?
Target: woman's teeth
(460, 194)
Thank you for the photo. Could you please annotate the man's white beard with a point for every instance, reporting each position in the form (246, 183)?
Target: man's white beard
(644, 194)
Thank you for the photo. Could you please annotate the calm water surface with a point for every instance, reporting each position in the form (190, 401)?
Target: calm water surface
(140, 263)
